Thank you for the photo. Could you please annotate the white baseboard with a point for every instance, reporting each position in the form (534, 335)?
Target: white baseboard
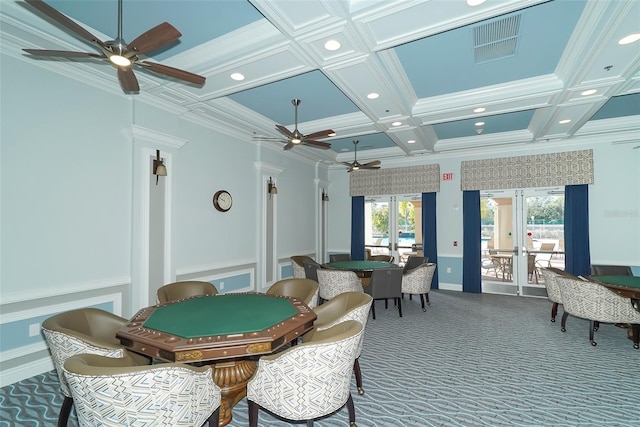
(449, 287)
(10, 376)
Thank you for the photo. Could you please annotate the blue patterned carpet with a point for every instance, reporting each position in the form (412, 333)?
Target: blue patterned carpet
(470, 360)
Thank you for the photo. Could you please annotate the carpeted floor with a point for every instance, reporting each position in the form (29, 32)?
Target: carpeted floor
(470, 360)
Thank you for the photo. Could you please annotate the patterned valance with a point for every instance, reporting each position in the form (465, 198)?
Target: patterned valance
(541, 170)
(406, 180)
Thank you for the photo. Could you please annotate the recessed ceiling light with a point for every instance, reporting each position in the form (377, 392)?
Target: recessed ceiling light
(629, 39)
(373, 95)
(237, 76)
(479, 123)
(475, 2)
(565, 121)
(332, 45)
(344, 149)
(588, 92)
(480, 110)
(411, 141)
(396, 123)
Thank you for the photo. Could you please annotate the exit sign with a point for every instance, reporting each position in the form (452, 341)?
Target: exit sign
(447, 176)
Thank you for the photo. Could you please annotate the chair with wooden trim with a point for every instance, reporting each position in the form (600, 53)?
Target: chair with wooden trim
(186, 289)
(310, 380)
(85, 330)
(107, 392)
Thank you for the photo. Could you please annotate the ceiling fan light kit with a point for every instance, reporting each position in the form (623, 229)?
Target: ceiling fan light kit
(121, 55)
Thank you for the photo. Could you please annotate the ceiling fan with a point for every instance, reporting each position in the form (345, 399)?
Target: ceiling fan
(117, 52)
(355, 165)
(297, 138)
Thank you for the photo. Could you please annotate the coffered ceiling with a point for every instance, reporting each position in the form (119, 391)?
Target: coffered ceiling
(449, 76)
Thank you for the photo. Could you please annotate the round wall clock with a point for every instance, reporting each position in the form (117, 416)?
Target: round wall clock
(222, 200)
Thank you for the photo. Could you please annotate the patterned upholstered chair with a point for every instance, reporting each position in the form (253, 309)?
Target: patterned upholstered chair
(309, 380)
(297, 265)
(346, 306)
(305, 290)
(86, 330)
(553, 290)
(418, 281)
(593, 301)
(181, 290)
(386, 283)
(339, 257)
(109, 393)
(335, 282)
(610, 270)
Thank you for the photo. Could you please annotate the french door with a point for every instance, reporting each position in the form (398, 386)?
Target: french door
(393, 226)
(522, 232)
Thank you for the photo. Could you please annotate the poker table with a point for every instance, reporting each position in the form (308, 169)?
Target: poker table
(363, 269)
(224, 330)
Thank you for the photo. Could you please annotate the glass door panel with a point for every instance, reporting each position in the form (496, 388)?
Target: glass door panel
(515, 245)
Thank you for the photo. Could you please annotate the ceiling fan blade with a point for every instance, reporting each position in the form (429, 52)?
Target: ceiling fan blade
(349, 165)
(128, 80)
(371, 164)
(62, 19)
(153, 39)
(316, 144)
(283, 130)
(289, 146)
(321, 134)
(176, 73)
(63, 53)
(369, 167)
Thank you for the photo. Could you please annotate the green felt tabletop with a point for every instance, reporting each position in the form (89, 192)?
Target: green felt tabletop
(359, 265)
(220, 315)
(626, 281)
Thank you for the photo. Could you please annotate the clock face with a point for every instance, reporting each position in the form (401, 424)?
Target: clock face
(222, 200)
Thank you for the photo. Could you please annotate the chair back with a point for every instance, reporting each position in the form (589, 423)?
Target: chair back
(339, 257)
(610, 270)
(85, 330)
(418, 280)
(383, 258)
(309, 380)
(186, 289)
(335, 282)
(311, 270)
(297, 265)
(553, 288)
(413, 261)
(385, 283)
(107, 392)
(305, 290)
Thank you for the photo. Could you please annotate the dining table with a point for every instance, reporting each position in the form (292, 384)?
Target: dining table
(226, 331)
(362, 268)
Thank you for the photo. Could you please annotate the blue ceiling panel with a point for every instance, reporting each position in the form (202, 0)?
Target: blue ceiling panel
(366, 142)
(619, 106)
(445, 62)
(273, 100)
(492, 124)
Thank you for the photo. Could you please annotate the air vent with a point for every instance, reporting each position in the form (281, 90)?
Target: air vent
(496, 39)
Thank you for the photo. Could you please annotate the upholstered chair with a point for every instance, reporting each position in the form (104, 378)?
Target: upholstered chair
(187, 289)
(85, 330)
(383, 258)
(309, 380)
(311, 270)
(418, 281)
(109, 393)
(553, 290)
(346, 306)
(339, 257)
(413, 261)
(611, 270)
(593, 301)
(385, 283)
(305, 290)
(297, 265)
(334, 282)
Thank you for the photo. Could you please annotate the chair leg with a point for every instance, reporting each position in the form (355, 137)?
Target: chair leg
(386, 303)
(592, 330)
(426, 295)
(214, 418)
(356, 371)
(563, 324)
(399, 306)
(422, 302)
(554, 311)
(635, 331)
(65, 410)
(352, 411)
(373, 309)
(309, 423)
(253, 413)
